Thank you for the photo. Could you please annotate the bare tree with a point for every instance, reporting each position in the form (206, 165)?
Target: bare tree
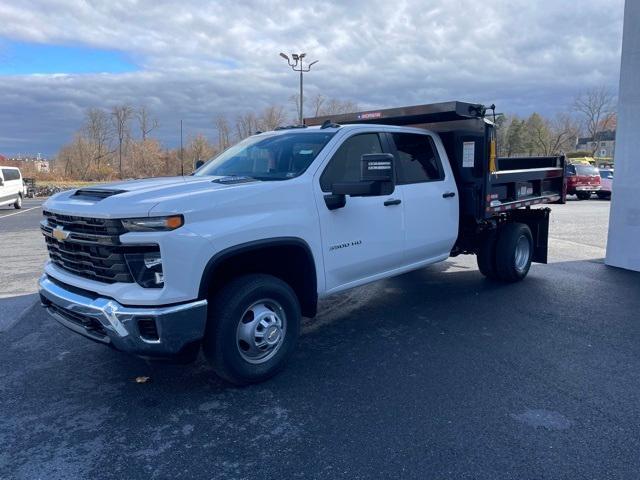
(563, 132)
(246, 125)
(322, 106)
(145, 159)
(295, 99)
(198, 148)
(271, 118)
(596, 109)
(145, 122)
(221, 125)
(98, 134)
(121, 116)
(334, 106)
(317, 102)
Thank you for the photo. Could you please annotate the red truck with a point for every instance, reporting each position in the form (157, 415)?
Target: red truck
(582, 180)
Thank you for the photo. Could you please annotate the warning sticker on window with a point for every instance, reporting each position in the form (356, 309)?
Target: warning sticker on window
(468, 154)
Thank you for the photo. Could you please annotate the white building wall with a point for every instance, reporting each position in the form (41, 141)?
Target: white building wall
(623, 247)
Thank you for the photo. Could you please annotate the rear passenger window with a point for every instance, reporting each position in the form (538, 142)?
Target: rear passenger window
(345, 165)
(417, 158)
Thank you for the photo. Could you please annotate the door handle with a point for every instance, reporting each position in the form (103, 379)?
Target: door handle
(448, 194)
(392, 201)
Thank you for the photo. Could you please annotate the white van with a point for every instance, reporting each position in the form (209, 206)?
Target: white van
(11, 187)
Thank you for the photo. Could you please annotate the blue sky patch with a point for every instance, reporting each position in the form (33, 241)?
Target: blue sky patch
(22, 58)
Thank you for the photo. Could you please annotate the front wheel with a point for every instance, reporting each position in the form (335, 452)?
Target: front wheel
(18, 203)
(514, 252)
(253, 328)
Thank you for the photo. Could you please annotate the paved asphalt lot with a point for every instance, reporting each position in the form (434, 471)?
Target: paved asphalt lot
(435, 374)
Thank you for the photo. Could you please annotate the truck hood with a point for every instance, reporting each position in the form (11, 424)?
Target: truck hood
(134, 198)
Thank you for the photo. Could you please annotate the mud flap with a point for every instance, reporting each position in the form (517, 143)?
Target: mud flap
(537, 219)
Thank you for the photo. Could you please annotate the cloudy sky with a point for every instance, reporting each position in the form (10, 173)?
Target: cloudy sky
(196, 60)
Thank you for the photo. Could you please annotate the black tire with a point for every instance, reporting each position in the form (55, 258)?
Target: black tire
(486, 257)
(507, 266)
(226, 310)
(583, 195)
(18, 203)
(604, 195)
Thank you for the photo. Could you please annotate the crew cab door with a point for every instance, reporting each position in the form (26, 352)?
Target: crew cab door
(429, 196)
(364, 238)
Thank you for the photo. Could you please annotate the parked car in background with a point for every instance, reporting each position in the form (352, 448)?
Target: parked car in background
(11, 187)
(29, 187)
(606, 182)
(583, 180)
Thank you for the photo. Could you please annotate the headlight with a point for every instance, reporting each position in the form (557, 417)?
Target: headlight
(146, 268)
(153, 224)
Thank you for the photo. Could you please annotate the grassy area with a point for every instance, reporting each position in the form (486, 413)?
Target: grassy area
(46, 188)
(65, 183)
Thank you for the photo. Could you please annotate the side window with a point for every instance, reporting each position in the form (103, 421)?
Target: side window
(345, 165)
(10, 174)
(417, 158)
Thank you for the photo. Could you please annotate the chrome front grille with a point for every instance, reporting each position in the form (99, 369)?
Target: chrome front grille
(90, 247)
(95, 226)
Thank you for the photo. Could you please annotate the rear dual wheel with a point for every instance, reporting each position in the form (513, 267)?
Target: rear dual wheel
(506, 255)
(583, 195)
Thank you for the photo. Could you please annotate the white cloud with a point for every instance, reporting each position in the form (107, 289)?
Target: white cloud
(201, 58)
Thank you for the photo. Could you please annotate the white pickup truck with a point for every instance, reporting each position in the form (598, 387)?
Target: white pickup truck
(229, 258)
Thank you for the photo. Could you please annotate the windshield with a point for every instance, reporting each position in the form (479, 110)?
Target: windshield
(586, 170)
(268, 157)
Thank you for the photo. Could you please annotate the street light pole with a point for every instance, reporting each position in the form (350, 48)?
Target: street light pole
(296, 65)
(301, 96)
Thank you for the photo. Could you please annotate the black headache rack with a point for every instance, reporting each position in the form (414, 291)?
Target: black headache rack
(490, 188)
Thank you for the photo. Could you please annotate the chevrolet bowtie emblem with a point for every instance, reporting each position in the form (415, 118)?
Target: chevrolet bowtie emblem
(60, 234)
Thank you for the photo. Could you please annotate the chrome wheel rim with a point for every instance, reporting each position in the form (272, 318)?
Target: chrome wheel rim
(261, 331)
(522, 253)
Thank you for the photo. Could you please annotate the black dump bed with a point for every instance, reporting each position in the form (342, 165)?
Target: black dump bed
(487, 185)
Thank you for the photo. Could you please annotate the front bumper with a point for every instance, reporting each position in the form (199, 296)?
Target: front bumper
(147, 331)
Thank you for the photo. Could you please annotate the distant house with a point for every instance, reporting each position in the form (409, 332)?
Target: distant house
(603, 145)
(29, 162)
(42, 166)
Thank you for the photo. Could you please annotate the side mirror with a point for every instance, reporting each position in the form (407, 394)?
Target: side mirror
(199, 163)
(376, 178)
